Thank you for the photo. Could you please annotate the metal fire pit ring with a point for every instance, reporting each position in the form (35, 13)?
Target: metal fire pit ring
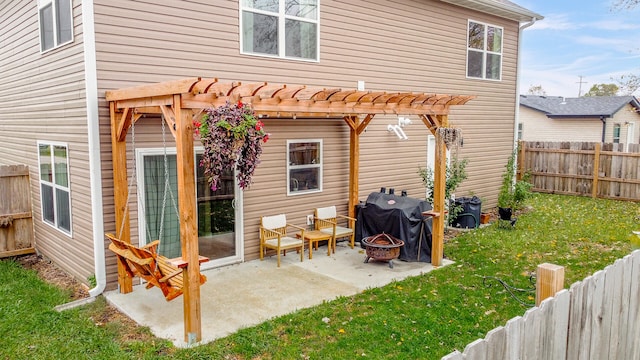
(382, 247)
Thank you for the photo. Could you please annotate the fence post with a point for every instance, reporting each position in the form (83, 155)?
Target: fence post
(596, 171)
(520, 171)
(549, 280)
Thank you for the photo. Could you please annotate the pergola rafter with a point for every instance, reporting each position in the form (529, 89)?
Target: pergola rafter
(182, 101)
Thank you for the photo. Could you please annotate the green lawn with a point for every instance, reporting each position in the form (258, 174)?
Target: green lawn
(424, 317)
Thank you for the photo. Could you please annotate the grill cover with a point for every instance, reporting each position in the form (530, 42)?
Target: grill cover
(398, 216)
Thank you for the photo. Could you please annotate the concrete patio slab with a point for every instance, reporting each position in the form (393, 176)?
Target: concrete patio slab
(250, 293)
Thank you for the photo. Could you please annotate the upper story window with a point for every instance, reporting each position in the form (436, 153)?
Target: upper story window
(280, 28)
(53, 159)
(616, 133)
(304, 166)
(56, 23)
(484, 51)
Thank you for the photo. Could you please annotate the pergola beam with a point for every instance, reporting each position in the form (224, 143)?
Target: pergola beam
(170, 119)
(153, 90)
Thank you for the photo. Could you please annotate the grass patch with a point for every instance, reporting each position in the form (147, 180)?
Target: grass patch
(422, 317)
(33, 330)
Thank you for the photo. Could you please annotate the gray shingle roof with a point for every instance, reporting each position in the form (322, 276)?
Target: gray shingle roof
(588, 106)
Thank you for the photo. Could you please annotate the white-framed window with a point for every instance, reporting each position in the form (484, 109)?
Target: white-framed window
(484, 51)
(616, 133)
(520, 130)
(280, 28)
(304, 166)
(55, 195)
(56, 23)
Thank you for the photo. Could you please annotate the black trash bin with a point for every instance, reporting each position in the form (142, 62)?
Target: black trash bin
(469, 217)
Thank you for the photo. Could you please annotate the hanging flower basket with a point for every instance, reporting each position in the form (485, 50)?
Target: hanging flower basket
(450, 135)
(232, 137)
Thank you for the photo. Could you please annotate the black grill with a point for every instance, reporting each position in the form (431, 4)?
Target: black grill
(399, 216)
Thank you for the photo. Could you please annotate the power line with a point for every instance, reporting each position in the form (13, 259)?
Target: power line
(580, 87)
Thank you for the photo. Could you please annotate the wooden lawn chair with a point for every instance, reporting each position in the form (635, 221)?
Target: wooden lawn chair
(146, 263)
(326, 220)
(273, 235)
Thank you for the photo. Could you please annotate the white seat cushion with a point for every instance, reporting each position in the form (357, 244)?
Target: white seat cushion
(328, 212)
(274, 222)
(284, 241)
(340, 231)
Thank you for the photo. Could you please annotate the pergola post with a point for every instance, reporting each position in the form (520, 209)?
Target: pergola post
(354, 164)
(188, 222)
(119, 159)
(439, 184)
(356, 128)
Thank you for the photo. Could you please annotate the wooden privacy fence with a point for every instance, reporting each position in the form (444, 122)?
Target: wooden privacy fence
(597, 318)
(16, 223)
(582, 168)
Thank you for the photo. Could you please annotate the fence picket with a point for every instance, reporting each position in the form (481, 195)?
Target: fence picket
(625, 326)
(560, 325)
(545, 339)
(597, 316)
(633, 333)
(514, 331)
(456, 355)
(496, 343)
(608, 301)
(477, 350)
(577, 319)
(532, 333)
(615, 291)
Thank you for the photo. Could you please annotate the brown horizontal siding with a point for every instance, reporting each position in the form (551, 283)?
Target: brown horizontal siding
(43, 98)
(394, 46)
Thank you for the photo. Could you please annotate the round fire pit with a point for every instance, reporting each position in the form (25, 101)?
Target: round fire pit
(382, 247)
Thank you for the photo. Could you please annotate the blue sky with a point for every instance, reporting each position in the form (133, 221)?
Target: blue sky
(578, 38)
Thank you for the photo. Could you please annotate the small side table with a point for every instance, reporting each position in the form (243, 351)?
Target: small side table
(315, 236)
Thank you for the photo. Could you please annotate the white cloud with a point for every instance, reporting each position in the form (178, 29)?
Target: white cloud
(554, 22)
(613, 25)
(563, 79)
(618, 44)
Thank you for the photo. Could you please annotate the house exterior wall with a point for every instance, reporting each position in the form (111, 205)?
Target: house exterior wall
(625, 116)
(42, 98)
(406, 45)
(538, 127)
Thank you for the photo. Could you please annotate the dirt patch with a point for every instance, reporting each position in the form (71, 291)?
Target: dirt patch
(128, 330)
(50, 273)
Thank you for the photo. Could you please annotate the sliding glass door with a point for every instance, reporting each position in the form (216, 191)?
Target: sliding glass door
(219, 231)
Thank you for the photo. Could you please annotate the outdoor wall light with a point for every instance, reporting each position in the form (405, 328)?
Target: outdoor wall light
(404, 121)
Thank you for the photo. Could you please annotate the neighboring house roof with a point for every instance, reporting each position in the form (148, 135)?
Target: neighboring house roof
(583, 107)
(502, 8)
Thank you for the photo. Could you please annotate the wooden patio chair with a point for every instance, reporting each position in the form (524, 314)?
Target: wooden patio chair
(147, 264)
(273, 235)
(326, 220)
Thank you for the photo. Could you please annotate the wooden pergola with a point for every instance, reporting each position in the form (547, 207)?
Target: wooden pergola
(182, 101)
